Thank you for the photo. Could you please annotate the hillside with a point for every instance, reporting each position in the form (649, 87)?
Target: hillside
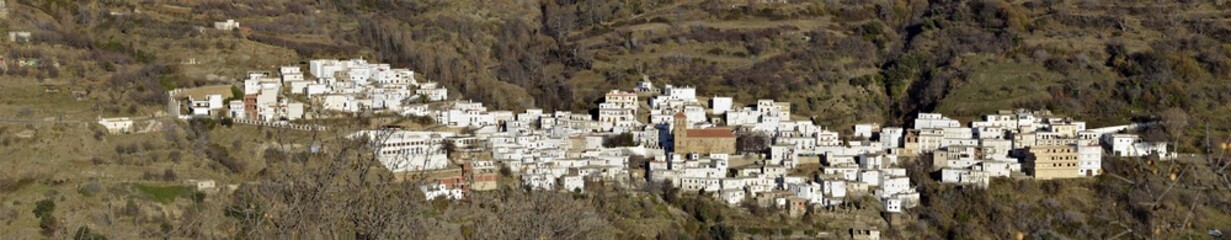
(839, 62)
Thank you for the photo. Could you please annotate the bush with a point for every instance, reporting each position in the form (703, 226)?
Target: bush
(222, 156)
(97, 160)
(44, 210)
(174, 156)
(273, 155)
(620, 140)
(90, 189)
(148, 175)
(146, 81)
(198, 197)
(169, 175)
(48, 224)
(752, 143)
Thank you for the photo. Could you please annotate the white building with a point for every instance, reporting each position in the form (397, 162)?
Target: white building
(812, 191)
(893, 205)
(891, 185)
(834, 188)
(741, 117)
(891, 137)
(720, 105)
(341, 103)
(573, 183)
(680, 93)
(541, 181)
(237, 109)
(401, 151)
(645, 85)
(205, 106)
(228, 25)
(19, 36)
(431, 92)
(965, 176)
(934, 120)
(434, 191)
(865, 130)
(1130, 145)
(292, 111)
(116, 125)
(732, 196)
(995, 168)
(1089, 160)
(696, 184)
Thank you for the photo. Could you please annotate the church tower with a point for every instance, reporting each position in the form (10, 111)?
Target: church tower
(680, 125)
(679, 131)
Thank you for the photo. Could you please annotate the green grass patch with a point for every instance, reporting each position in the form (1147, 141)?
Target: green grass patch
(164, 194)
(996, 86)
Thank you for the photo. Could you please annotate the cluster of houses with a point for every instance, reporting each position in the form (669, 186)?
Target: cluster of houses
(691, 144)
(1034, 143)
(329, 87)
(755, 153)
(687, 142)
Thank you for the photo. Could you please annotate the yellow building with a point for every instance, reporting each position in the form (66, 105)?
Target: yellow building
(1052, 162)
(701, 141)
(621, 99)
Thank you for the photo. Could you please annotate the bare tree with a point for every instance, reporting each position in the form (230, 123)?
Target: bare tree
(342, 193)
(539, 215)
(1174, 120)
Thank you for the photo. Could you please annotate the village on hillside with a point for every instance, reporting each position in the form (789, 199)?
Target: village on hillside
(752, 152)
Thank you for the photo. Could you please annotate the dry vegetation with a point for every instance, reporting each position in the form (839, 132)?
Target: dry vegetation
(839, 62)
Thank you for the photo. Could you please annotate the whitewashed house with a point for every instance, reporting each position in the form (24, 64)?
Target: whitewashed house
(205, 106)
(401, 151)
(573, 183)
(432, 93)
(688, 93)
(934, 120)
(720, 105)
(116, 125)
(732, 196)
(541, 181)
(341, 103)
(439, 190)
(1130, 145)
(228, 25)
(237, 109)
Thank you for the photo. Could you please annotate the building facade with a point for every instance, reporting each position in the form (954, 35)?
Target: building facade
(701, 141)
(1053, 162)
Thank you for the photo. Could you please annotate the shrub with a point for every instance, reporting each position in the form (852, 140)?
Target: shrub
(44, 207)
(620, 140)
(89, 189)
(169, 175)
(222, 156)
(174, 156)
(97, 160)
(44, 210)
